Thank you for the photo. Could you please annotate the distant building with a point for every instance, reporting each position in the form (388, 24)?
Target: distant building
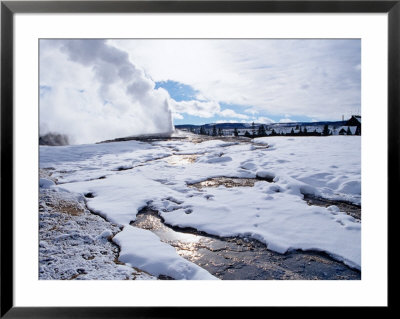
(355, 120)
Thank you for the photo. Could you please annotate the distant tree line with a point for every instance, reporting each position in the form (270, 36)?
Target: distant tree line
(261, 131)
(214, 132)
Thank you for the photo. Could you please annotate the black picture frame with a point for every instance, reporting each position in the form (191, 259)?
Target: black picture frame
(9, 8)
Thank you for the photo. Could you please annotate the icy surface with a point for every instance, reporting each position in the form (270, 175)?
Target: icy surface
(126, 176)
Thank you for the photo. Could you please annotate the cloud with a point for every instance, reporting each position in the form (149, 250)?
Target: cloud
(177, 116)
(264, 120)
(204, 109)
(286, 120)
(230, 121)
(316, 78)
(232, 114)
(91, 91)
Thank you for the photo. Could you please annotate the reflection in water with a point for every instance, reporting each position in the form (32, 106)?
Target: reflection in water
(242, 258)
(181, 159)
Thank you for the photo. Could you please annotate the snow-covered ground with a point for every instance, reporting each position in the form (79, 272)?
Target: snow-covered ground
(74, 243)
(121, 178)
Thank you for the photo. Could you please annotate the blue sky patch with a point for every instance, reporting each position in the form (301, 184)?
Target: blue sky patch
(178, 91)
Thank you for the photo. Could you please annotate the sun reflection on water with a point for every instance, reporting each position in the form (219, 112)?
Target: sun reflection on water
(181, 159)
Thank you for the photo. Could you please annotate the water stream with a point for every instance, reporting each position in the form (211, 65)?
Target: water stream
(237, 258)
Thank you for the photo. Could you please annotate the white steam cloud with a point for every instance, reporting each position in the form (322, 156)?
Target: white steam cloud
(90, 91)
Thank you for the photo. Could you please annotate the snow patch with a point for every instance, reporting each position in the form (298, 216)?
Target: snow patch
(142, 249)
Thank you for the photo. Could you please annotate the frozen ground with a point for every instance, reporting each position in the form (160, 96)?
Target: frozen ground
(74, 243)
(118, 179)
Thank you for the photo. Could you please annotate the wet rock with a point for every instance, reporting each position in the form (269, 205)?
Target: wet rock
(225, 181)
(165, 277)
(334, 206)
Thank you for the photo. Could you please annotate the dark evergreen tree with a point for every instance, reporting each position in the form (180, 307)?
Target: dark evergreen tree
(305, 133)
(273, 133)
(220, 133)
(291, 132)
(235, 132)
(214, 131)
(325, 131)
(253, 129)
(247, 134)
(348, 131)
(261, 131)
(202, 130)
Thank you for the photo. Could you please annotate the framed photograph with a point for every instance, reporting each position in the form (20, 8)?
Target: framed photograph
(163, 155)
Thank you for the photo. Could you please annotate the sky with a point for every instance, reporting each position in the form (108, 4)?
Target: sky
(93, 90)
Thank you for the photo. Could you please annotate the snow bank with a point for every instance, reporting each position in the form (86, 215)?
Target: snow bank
(281, 220)
(143, 249)
(331, 165)
(118, 198)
